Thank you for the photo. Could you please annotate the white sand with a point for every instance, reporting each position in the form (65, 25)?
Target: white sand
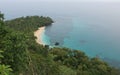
(38, 34)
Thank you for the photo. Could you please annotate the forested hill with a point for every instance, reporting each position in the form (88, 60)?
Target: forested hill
(21, 55)
(29, 23)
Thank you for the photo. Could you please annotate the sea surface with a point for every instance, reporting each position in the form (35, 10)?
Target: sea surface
(92, 27)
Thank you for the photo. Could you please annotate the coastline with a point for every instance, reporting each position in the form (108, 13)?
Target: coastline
(38, 34)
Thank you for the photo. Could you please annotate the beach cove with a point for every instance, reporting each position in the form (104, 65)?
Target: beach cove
(38, 34)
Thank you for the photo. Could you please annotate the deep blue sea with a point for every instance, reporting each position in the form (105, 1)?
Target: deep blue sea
(92, 27)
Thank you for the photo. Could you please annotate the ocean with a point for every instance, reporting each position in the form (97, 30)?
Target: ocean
(92, 27)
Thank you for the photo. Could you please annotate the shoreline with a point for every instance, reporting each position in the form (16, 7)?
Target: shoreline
(38, 34)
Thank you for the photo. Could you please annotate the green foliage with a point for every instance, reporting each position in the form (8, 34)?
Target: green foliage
(43, 65)
(19, 49)
(15, 51)
(80, 64)
(1, 56)
(67, 71)
(5, 70)
(28, 23)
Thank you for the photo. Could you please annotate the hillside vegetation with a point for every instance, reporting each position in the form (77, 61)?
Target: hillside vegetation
(21, 55)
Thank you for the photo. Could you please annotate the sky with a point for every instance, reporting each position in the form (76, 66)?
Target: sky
(62, 0)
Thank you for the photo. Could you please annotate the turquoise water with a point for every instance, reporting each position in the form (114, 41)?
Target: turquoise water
(92, 27)
(45, 39)
(91, 38)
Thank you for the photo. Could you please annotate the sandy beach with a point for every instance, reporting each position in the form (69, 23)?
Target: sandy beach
(38, 34)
